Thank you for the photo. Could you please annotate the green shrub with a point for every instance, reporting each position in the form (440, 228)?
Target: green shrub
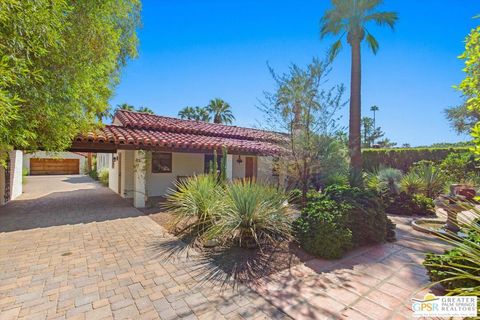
(103, 177)
(366, 217)
(255, 215)
(296, 196)
(411, 204)
(321, 228)
(459, 166)
(404, 158)
(459, 267)
(412, 183)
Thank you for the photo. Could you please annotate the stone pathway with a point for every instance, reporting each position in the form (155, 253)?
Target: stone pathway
(369, 283)
(71, 249)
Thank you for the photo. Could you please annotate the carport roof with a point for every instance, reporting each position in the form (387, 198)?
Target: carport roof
(136, 130)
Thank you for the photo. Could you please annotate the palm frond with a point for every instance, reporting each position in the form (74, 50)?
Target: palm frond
(383, 18)
(334, 50)
(372, 43)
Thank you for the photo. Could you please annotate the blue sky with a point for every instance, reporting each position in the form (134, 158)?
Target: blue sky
(192, 51)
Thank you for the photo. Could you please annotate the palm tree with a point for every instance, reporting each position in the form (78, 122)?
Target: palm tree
(125, 106)
(221, 111)
(351, 17)
(145, 110)
(194, 113)
(374, 109)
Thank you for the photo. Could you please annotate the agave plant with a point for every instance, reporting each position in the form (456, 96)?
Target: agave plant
(257, 214)
(194, 202)
(385, 180)
(412, 183)
(432, 177)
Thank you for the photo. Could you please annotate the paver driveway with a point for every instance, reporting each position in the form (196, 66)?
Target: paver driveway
(70, 248)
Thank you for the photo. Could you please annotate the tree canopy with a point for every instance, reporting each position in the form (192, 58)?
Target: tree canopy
(59, 64)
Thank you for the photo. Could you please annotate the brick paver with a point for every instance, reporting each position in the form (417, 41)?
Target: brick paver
(374, 282)
(71, 249)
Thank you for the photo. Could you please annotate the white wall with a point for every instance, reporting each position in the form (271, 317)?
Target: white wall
(54, 155)
(238, 168)
(127, 183)
(16, 159)
(113, 173)
(183, 164)
(104, 160)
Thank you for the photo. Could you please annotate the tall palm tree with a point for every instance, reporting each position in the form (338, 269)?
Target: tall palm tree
(146, 110)
(351, 17)
(194, 113)
(221, 111)
(125, 106)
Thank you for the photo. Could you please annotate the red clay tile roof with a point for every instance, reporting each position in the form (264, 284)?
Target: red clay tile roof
(141, 129)
(141, 120)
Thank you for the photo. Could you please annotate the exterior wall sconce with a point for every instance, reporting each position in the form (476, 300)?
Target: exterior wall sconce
(239, 159)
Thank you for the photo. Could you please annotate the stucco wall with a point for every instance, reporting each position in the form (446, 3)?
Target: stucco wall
(127, 173)
(238, 168)
(113, 174)
(16, 159)
(104, 160)
(54, 155)
(183, 164)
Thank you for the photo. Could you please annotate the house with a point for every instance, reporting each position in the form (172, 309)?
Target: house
(51, 163)
(145, 154)
(11, 177)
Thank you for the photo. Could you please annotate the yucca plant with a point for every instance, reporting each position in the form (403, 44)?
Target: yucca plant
(195, 201)
(256, 215)
(432, 177)
(412, 183)
(385, 180)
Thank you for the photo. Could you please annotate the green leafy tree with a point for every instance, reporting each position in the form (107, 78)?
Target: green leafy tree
(351, 18)
(370, 133)
(470, 86)
(220, 111)
(59, 63)
(462, 118)
(386, 143)
(194, 113)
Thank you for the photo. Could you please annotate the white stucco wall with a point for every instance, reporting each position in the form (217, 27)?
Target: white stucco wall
(127, 183)
(183, 164)
(113, 174)
(54, 155)
(238, 168)
(104, 160)
(16, 158)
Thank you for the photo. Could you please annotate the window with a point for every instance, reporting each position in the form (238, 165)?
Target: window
(161, 162)
(209, 158)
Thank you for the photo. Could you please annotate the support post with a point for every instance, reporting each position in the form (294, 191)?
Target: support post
(229, 166)
(139, 178)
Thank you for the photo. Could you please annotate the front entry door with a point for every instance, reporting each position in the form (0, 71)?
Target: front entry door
(249, 167)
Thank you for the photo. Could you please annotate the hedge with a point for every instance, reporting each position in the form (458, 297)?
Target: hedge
(403, 158)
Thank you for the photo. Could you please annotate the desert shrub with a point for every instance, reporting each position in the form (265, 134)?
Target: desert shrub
(103, 176)
(411, 204)
(331, 162)
(321, 228)
(296, 196)
(195, 201)
(404, 158)
(255, 214)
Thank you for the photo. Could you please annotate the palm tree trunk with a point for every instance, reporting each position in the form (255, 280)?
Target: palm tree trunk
(354, 141)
